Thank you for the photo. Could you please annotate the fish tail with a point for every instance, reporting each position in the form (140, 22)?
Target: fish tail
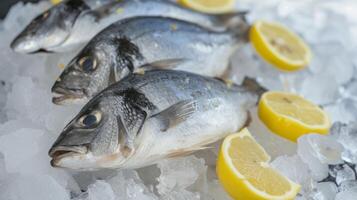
(253, 86)
(236, 23)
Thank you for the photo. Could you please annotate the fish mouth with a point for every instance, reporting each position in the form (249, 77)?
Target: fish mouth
(21, 45)
(62, 96)
(60, 152)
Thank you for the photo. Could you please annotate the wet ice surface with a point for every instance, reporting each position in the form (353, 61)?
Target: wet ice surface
(325, 166)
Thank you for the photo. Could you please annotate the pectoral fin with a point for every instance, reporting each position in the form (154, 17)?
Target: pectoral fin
(113, 76)
(125, 139)
(176, 114)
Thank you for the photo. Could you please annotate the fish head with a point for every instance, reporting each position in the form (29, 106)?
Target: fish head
(49, 29)
(85, 76)
(92, 139)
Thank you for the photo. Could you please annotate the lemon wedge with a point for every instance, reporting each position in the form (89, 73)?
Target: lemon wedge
(291, 116)
(279, 46)
(244, 171)
(209, 6)
(54, 2)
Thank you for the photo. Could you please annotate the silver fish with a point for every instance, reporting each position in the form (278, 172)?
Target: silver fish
(128, 44)
(50, 28)
(147, 117)
(75, 22)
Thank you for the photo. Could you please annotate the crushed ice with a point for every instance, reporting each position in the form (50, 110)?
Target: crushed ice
(325, 166)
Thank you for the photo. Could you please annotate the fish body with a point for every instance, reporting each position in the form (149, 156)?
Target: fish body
(74, 22)
(50, 28)
(127, 45)
(145, 118)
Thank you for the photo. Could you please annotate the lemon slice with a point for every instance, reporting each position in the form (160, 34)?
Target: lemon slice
(291, 116)
(54, 2)
(244, 171)
(209, 6)
(279, 46)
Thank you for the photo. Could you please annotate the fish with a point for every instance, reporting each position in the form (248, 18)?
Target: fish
(140, 43)
(145, 118)
(71, 24)
(50, 28)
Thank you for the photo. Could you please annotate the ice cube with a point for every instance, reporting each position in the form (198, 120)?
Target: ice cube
(345, 173)
(300, 197)
(127, 185)
(247, 63)
(346, 134)
(182, 195)
(11, 126)
(2, 167)
(322, 89)
(85, 178)
(215, 191)
(347, 195)
(296, 170)
(343, 110)
(2, 93)
(19, 148)
(347, 185)
(325, 148)
(32, 187)
(292, 167)
(179, 173)
(244, 63)
(343, 62)
(35, 105)
(272, 143)
(324, 191)
(100, 190)
(317, 152)
(350, 89)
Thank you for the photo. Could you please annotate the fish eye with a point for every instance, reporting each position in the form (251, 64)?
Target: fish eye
(88, 64)
(91, 119)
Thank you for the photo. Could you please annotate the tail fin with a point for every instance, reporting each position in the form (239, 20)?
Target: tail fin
(253, 86)
(237, 23)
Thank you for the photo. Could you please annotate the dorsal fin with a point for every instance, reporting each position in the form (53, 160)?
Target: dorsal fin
(229, 83)
(160, 64)
(237, 24)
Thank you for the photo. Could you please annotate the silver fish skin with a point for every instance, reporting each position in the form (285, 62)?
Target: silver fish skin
(148, 117)
(129, 44)
(50, 28)
(67, 26)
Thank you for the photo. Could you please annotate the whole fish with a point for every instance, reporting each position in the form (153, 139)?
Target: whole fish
(74, 22)
(52, 27)
(148, 117)
(128, 44)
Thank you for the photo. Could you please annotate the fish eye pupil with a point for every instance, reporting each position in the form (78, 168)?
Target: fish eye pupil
(89, 120)
(87, 64)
